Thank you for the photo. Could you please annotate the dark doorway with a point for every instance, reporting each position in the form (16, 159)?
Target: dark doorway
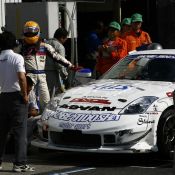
(85, 24)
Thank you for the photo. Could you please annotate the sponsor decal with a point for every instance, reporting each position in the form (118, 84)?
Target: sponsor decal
(84, 117)
(88, 108)
(68, 125)
(111, 87)
(86, 100)
(5, 59)
(99, 97)
(143, 115)
(142, 121)
(155, 108)
(152, 113)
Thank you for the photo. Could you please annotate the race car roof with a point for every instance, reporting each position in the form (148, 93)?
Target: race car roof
(161, 51)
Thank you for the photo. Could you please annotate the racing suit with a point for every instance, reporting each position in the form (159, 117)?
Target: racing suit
(135, 40)
(35, 59)
(110, 53)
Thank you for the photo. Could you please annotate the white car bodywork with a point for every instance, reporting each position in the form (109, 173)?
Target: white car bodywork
(102, 116)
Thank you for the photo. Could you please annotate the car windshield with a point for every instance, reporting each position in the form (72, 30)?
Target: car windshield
(144, 67)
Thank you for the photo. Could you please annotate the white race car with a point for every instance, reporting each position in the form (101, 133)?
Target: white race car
(129, 110)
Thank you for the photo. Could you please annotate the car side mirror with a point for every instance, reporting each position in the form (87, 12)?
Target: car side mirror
(82, 76)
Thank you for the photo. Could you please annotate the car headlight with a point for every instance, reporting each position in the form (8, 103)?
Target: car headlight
(139, 105)
(51, 107)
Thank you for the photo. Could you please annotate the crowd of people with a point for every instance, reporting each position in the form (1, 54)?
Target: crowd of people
(32, 71)
(120, 40)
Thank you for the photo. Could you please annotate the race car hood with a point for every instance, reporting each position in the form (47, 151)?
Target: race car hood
(114, 92)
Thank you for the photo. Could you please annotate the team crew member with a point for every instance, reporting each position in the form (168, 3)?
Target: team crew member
(112, 50)
(13, 101)
(137, 37)
(125, 27)
(35, 52)
(56, 74)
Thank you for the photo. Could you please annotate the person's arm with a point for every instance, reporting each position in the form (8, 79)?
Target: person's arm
(57, 57)
(33, 112)
(148, 38)
(23, 86)
(121, 50)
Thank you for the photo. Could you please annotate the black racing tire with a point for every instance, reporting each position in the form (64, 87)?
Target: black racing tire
(166, 134)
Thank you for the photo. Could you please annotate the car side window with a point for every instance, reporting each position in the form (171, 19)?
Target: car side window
(161, 70)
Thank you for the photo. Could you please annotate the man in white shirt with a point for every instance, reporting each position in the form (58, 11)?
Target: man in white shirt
(13, 101)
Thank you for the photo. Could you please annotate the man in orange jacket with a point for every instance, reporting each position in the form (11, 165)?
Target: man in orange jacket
(136, 37)
(125, 27)
(112, 50)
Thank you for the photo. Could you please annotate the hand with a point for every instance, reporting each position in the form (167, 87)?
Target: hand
(26, 99)
(102, 47)
(76, 68)
(105, 46)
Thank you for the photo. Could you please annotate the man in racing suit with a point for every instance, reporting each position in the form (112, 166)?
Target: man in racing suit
(35, 52)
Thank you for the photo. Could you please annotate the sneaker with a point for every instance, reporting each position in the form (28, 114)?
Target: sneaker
(0, 167)
(23, 168)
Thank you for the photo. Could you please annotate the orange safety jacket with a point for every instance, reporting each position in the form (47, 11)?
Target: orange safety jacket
(133, 40)
(123, 35)
(111, 54)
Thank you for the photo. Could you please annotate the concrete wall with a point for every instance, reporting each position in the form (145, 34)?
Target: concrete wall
(2, 10)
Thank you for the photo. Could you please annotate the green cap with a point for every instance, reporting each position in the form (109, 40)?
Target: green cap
(136, 17)
(115, 25)
(126, 21)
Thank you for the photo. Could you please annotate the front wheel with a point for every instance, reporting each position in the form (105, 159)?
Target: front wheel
(166, 134)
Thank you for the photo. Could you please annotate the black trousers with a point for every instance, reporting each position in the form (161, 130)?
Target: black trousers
(13, 117)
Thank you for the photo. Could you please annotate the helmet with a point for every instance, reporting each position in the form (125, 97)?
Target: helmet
(154, 46)
(31, 32)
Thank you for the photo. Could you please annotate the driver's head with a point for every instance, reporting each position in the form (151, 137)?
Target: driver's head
(31, 32)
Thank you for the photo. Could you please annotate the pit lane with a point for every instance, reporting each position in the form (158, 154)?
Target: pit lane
(68, 163)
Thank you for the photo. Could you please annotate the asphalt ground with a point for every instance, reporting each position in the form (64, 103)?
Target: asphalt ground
(67, 163)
